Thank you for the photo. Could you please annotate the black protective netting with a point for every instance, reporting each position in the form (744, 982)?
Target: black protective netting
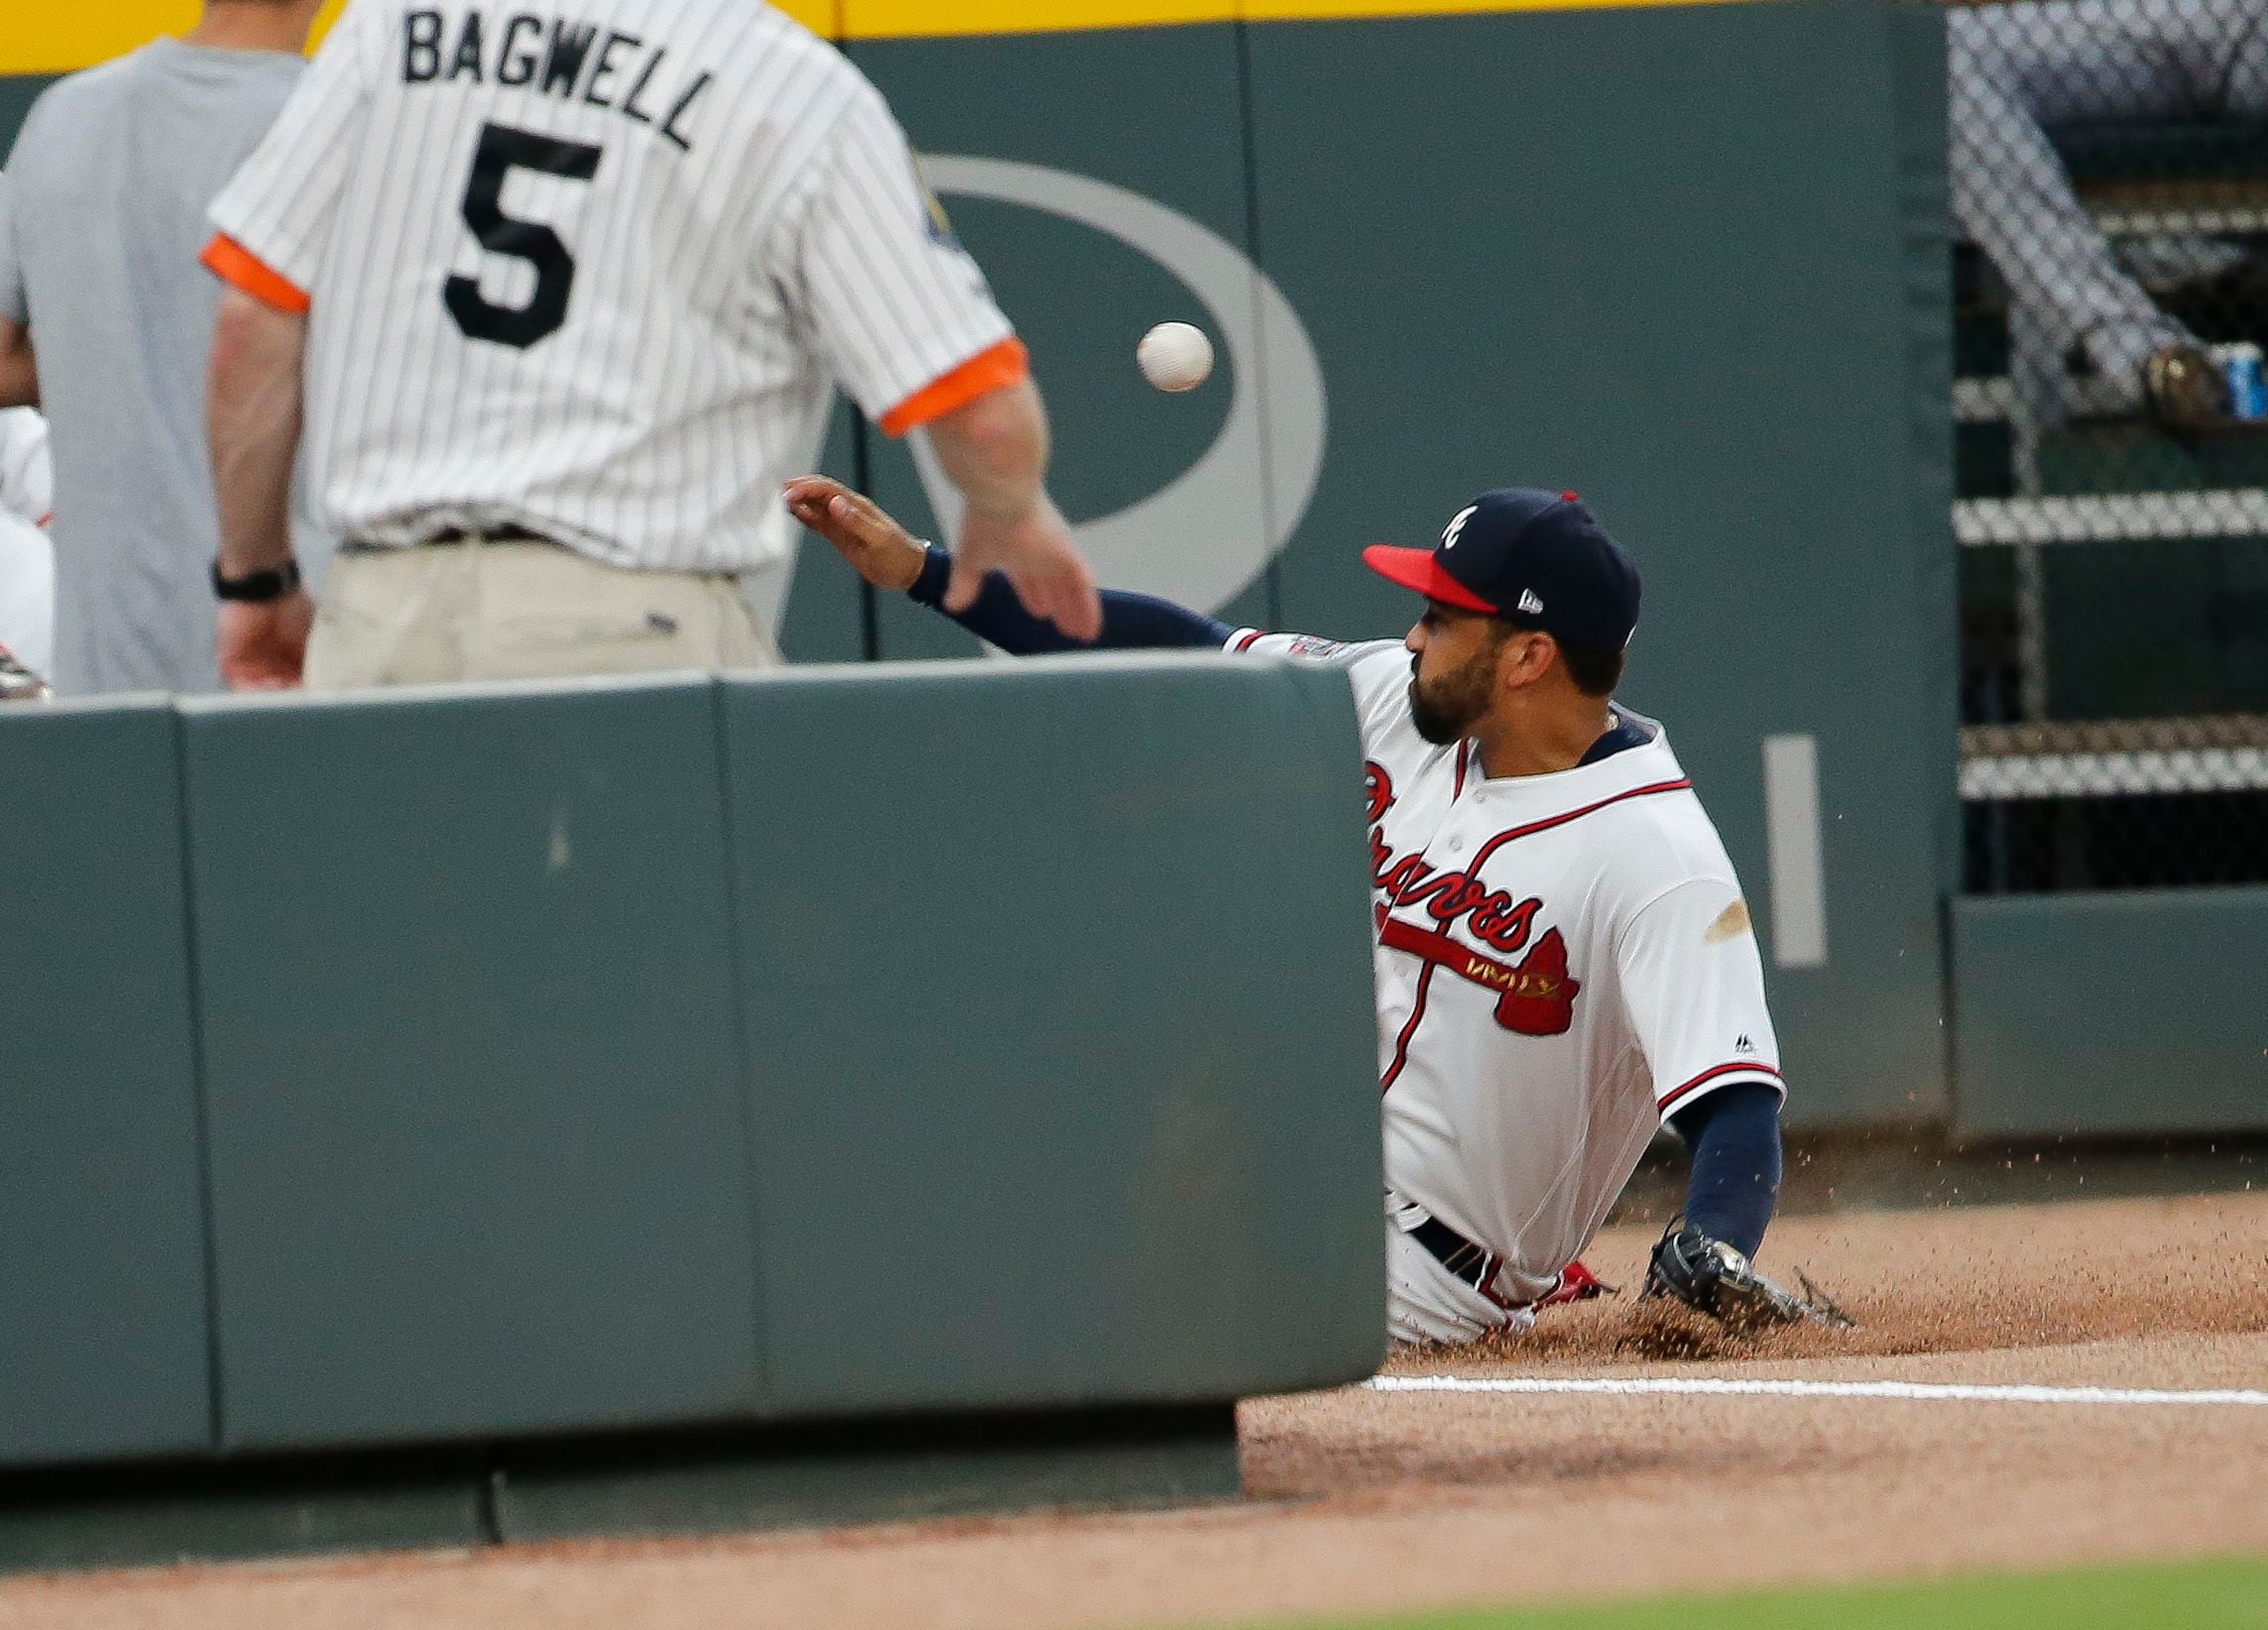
(2110, 182)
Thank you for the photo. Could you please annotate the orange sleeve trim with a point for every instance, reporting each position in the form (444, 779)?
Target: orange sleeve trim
(239, 268)
(1005, 364)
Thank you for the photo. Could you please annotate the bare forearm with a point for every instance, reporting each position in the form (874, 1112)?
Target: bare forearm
(252, 421)
(994, 449)
(19, 367)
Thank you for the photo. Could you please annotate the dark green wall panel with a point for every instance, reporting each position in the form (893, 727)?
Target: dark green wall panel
(17, 94)
(1062, 1038)
(2099, 1013)
(104, 1337)
(1563, 249)
(478, 1158)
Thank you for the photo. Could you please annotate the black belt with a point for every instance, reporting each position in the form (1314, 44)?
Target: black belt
(487, 535)
(1466, 1260)
(451, 537)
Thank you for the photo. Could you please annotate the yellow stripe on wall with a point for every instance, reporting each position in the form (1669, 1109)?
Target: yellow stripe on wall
(66, 38)
(78, 35)
(1297, 10)
(82, 33)
(916, 19)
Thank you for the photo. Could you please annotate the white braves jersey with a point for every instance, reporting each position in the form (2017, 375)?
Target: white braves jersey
(1563, 961)
(590, 267)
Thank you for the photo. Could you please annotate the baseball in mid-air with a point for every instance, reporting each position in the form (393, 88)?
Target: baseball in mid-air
(1175, 356)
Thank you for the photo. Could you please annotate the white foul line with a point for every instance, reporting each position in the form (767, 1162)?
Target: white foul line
(1712, 1387)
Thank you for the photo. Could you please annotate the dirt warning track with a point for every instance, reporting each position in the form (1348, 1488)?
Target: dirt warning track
(1379, 1499)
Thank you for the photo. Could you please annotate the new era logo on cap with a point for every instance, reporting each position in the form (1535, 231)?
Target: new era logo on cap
(1526, 554)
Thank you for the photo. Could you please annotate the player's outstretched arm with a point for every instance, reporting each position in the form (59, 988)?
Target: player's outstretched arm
(883, 553)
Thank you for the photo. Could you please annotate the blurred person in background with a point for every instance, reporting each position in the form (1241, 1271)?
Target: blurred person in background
(27, 562)
(2018, 68)
(106, 323)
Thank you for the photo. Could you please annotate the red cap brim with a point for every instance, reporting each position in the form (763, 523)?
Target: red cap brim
(1419, 569)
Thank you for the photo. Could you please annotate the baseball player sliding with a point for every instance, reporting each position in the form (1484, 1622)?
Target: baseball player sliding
(1564, 956)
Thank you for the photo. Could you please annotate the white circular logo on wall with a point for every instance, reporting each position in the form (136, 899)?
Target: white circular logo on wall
(1206, 534)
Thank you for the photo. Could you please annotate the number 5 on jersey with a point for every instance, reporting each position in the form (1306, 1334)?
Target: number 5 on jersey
(503, 149)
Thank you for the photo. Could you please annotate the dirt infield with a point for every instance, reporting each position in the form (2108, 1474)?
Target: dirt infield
(1372, 1500)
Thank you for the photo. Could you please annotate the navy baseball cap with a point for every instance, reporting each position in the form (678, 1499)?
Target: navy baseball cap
(1539, 558)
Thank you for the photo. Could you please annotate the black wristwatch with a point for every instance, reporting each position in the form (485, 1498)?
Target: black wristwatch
(259, 587)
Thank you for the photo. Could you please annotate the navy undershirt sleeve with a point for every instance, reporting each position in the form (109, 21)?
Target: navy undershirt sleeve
(1131, 622)
(1734, 1134)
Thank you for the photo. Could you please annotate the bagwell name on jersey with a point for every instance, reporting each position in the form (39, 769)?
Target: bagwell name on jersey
(559, 56)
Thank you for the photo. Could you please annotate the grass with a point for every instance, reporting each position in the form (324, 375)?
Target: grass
(2226, 1594)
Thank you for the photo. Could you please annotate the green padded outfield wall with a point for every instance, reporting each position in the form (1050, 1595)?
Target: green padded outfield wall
(104, 1337)
(1001, 1075)
(469, 1072)
(1689, 259)
(1046, 1167)
(473, 1071)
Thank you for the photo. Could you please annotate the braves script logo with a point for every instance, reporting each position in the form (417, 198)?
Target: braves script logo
(1535, 996)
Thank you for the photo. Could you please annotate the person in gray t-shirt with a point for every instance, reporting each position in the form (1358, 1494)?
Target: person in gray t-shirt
(102, 215)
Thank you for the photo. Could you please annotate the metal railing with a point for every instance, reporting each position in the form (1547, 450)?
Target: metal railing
(2110, 175)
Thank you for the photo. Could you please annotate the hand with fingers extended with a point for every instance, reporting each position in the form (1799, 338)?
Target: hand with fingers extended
(862, 531)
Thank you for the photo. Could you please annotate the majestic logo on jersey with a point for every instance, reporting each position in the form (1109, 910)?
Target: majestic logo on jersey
(1535, 996)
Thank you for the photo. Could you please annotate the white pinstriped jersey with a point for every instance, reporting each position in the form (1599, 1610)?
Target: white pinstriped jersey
(591, 268)
(1563, 961)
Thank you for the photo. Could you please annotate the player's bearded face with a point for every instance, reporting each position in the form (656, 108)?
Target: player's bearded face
(1447, 704)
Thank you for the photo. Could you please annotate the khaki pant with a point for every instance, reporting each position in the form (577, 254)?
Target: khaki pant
(483, 610)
